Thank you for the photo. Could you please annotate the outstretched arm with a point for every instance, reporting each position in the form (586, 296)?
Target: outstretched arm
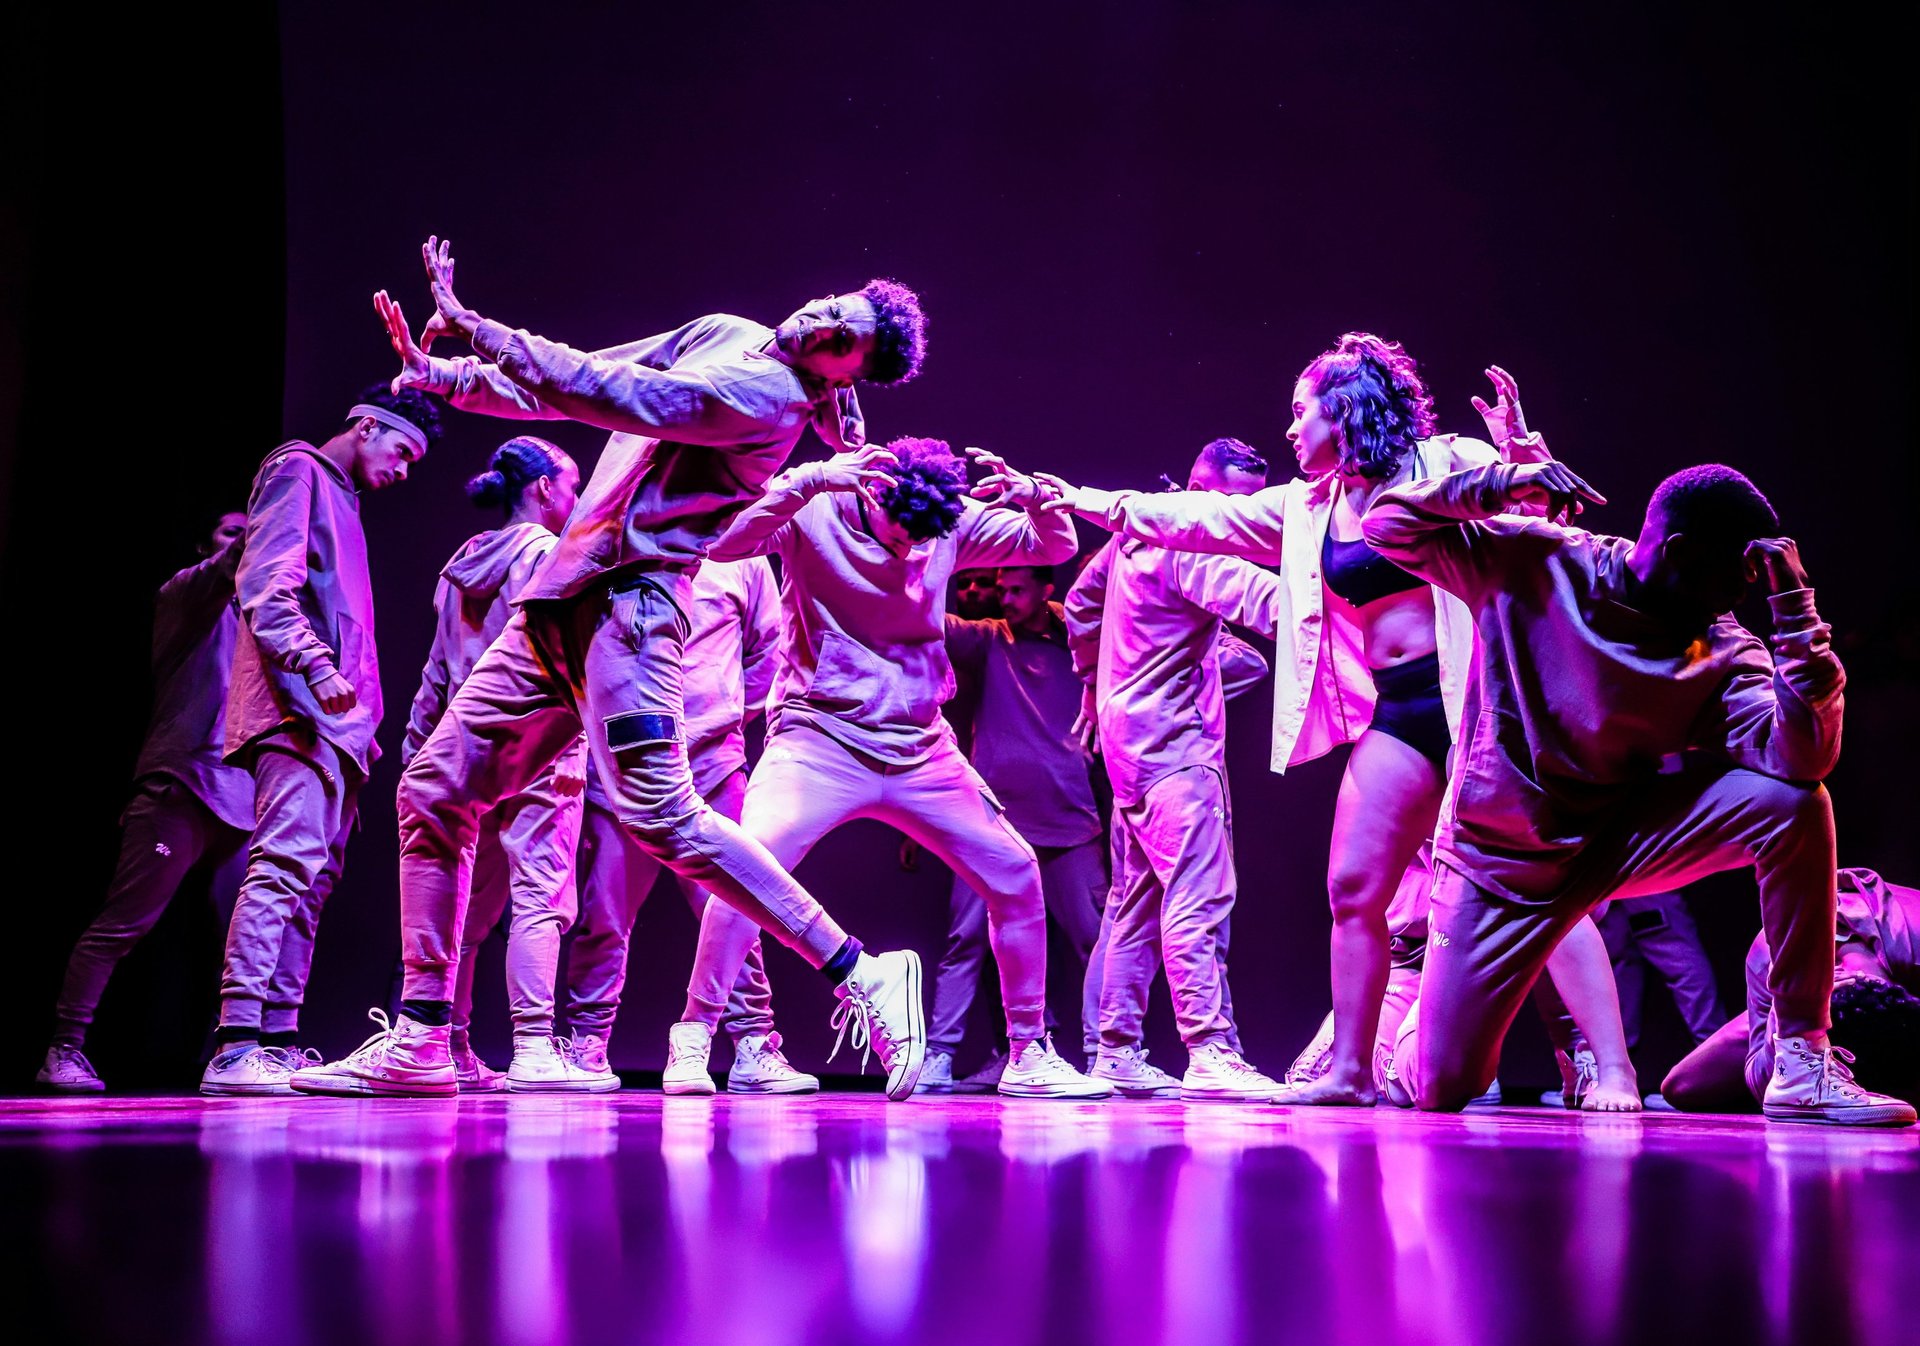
(1231, 589)
(760, 528)
(1026, 532)
(1196, 521)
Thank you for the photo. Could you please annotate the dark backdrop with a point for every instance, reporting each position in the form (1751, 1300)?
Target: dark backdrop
(1690, 239)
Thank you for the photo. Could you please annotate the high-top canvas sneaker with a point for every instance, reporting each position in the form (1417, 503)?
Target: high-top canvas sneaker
(1216, 1071)
(1315, 1058)
(1579, 1072)
(475, 1075)
(1816, 1084)
(1126, 1069)
(936, 1074)
(546, 1065)
(1036, 1070)
(688, 1047)
(68, 1071)
(880, 1011)
(246, 1070)
(405, 1059)
(760, 1067)
(590, 1050)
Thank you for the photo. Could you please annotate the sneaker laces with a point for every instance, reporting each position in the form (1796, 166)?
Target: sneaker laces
(1836, 1073)
(64, 1054)
(855, 1014)
(376, 1044)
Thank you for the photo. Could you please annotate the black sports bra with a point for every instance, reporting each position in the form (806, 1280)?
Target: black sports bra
(1360, 574)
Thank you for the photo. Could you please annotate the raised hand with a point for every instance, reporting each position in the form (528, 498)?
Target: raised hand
(416, 371)
(450, 314)
(862, 471)
(1507, 423)
(1554, 485)
(1002, 485)
(1060, 493)
(1777, 561)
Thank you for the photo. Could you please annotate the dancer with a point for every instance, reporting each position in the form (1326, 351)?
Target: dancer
(1626, 735)
(701, 417)
(1376, 658)
(302, 713)
(1657, 932)
(188, 808)
(733, 626)
(854, 726)
(1025, 747)
(524, 856)
(1876, 1007)
(1145, 628)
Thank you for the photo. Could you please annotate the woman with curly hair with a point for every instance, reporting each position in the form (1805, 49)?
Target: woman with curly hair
(1379, 659)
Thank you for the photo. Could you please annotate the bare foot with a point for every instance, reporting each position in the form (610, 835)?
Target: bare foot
(1327, 1092)
(1613, 1091)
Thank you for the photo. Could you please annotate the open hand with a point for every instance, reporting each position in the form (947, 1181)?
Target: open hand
(1554, 485)
(416, 371)
(450, 315)
(335, 694)
(862, 471)
(1002, 485)
(1062, 495)
(1505, 421)
(1777, 561)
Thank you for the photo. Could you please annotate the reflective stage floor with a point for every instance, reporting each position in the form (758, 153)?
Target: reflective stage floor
(634, 1218)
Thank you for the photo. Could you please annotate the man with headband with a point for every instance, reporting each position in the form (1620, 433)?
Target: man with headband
(701, 418)
(302, 713)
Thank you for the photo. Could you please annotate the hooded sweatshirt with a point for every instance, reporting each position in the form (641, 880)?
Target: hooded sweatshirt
(471, 603)
(195, 624)
(702, 416)
(306, 608)
(863, 652)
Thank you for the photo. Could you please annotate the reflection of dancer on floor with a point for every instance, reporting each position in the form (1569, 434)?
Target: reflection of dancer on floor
(188, 809)
(733, 630)
(301, 715)
(1370, 655)
(1625, 735)
(1146, 625)
(701, 418)
(853, 723)
(524, 856)
(1876, 1007)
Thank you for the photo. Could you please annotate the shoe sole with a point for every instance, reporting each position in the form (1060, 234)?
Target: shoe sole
(688, 1088)
(355, 1086)
(781, 1087)
(53, 1088)
(902, 1080)
(563, 1086)
(1072, 1092)
(1141, 1091)
(1881, 1115)
(497, 1086)
(246, 1090)
(1191, 1094)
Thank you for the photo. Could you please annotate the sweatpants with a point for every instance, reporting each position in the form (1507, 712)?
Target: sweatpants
(807, 783)
(1658, 932)
(1074, 881)
(165, 833)
(523, 864)
(607, 660)
(304, 800)
(616, 876)
(1486, 951)
(1172, 895)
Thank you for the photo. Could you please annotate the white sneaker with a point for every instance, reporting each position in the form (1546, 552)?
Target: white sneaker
(475, 1076)
(251, 1069)
(1217, 1071)
(547, 1065)
(688, 1046)
(590, 1050)
(1316, 1058)
(759, 1067)
(405, 1059)
(68, 1071)
(1579, 1072)
(1126, 1069)
(936, 1074)
(1036, 1070)
(1816, 1084)
(880, 1009)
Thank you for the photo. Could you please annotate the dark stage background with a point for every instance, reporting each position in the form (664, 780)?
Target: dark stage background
(1690, 240)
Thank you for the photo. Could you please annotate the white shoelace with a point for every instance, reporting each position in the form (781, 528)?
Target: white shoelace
(377, 1043)
(854, 1012)
(1836, 1072)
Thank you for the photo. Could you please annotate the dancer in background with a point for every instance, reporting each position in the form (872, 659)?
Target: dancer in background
(1657, 932)
(1668, 744)
(1372, 656)
(733, 627)
(1876, 1007)
(1026, 749)
(854, 725)
(523, 858)
(702, 417)
(188, 809)
(1145, 627)
(302, 713)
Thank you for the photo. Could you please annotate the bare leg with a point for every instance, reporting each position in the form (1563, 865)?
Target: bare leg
(1583, 975)
(1388, 803)
(1712, 1077)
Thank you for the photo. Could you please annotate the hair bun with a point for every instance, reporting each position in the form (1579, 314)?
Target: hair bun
(488, 490)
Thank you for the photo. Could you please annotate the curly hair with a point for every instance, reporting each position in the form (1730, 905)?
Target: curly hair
(1371, 392)
(929, 488)
(515, 465)
(411, 405)
(1714, 503)
(1879, 1023)
(900, 333)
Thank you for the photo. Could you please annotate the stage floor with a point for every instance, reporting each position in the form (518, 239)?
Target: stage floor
(840, 1218)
